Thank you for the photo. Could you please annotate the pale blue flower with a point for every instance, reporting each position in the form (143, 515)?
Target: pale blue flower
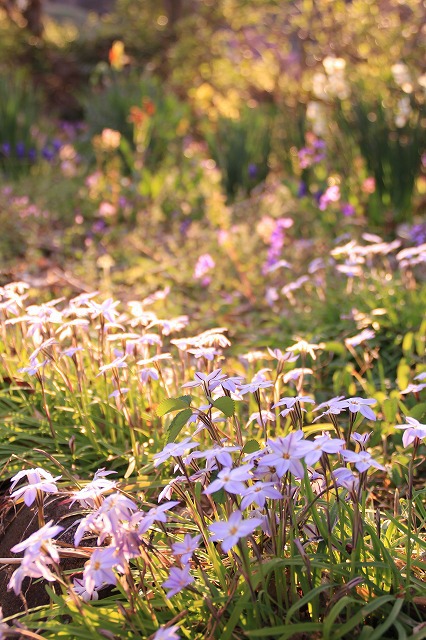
(178, 579)
(232, 530)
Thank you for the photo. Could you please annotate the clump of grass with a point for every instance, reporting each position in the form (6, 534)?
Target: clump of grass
(240, 507)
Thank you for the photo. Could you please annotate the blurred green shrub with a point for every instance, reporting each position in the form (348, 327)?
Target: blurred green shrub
(19, 111)
(392, 153)
(241, 148)
(111, 104)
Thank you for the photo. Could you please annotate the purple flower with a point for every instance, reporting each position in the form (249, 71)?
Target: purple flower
(148, 373)
(252, 171)
(361, 438)
(291, 402)
(276, 242)
(71, 351)
(33, 368)
(348, 209)
(413, 430)
(186, 548)
(362, 460)
(80, 590)
(286, 454)
(313, 450)
(355, 341)
(221, 454)
(346, 479)
(118, 363)
(107, 309)
(20, 150)
(232, 480)
(209, 353)
(233, 530)
(417, 234)
(100, 568)
(174, 450)
(254, 386)
(178, 579)
(330, 407)
(361, 405)
(167, 633)
(230, 384)
(91, 494)
(258, 493)
(38, 539)
(302, 190)
(156, 514)
(208, 381)
(39, 553)
(414, 388)
(184, 226)
(39, 481)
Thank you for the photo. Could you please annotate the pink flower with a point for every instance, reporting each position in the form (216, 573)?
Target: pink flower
(332, 194)
(369, 185)
(204, 264)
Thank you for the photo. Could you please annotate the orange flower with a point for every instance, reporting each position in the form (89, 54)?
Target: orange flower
(149, 106)
(137, 116)
(116, 56)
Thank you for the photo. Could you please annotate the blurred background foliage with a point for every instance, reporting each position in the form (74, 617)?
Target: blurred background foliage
(160, 126)
(139, 137)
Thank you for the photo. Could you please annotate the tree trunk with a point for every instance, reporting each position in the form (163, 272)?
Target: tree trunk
(33, 15)
(173, 9)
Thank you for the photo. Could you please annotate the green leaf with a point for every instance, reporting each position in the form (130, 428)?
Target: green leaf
(219, 497)
(390, 409)
(407, 343)
(173, 404)
(403, 374)
(335, 347)
(418, 412)
(251, 446)
(391, 618)
(226, 405)
(177, 424)
(131, 467)
(287, 631)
